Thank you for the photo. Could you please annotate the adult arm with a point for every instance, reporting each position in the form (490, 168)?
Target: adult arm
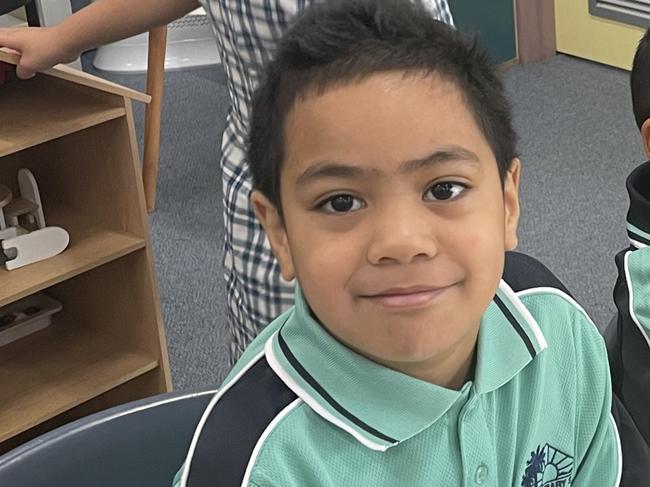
(102, 22)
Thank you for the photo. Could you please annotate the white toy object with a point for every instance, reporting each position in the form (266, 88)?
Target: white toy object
(35, 246)
(5, 199)
(29, 202)
(9, 232)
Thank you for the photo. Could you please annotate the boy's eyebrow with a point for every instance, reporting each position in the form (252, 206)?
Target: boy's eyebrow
(333, 169)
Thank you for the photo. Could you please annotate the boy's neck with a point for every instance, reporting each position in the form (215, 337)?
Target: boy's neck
(450, 371)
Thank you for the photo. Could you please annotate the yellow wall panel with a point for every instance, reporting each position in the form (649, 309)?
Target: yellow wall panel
(583, 35)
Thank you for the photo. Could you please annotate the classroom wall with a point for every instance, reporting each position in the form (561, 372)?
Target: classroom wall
(494, 23)
(583, 35)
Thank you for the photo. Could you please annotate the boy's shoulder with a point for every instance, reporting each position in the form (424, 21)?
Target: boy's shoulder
(523, 272)
(574, 344)
(572, 338)
(543, 294)
(248, 406)
(570, 379)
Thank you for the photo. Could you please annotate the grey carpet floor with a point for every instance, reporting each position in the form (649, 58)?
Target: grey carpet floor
(578, 142)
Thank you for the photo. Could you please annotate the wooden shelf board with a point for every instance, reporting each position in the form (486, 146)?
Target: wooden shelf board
(89, 248)
(35, 111)
(54, 370)
(79, 77)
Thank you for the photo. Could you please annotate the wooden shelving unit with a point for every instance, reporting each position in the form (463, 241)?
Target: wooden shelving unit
(58, 384)
(76, 134)
(50, 121)
(93, 247)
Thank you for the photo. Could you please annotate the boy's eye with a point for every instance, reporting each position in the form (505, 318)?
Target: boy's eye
(341, 203)
(444, 191)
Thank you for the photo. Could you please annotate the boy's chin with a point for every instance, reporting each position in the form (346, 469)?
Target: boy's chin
(404, 356)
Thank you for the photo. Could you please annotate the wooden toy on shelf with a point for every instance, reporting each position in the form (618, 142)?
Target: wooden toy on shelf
(32, 241)
(11, 232)
(28, 204)
(35, 246)
(5, 198)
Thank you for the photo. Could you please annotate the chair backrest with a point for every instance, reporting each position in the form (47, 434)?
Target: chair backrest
(139, 444)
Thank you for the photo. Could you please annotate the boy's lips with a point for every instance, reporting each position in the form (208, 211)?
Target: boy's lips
(407, 297)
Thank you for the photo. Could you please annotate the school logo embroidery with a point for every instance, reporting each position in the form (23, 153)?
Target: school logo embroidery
(548, 467)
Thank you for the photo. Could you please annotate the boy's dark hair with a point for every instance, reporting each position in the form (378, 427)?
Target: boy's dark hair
(343, 41)
(640, 81)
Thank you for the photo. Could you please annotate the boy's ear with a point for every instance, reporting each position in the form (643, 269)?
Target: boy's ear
(511, 204)
(645, 135)
(276, 232)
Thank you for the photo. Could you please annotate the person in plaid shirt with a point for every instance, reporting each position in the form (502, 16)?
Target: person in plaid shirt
(247, 32)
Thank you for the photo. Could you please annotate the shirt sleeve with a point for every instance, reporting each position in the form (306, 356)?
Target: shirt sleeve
(603, 452)
(598, 457)
(628, 337)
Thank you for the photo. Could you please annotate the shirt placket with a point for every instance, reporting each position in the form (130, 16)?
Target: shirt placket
(476, 445)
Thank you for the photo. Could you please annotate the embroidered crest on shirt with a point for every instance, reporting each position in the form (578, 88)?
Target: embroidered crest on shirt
(548, 467)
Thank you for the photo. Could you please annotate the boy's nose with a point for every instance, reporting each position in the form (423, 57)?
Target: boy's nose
(401, 240)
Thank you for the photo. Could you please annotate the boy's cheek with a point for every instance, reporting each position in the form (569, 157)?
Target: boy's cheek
(482, 253)
(329, 262)
(477, 244)
(472, 242)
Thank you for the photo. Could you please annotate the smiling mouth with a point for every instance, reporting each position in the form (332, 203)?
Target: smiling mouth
(408, 297)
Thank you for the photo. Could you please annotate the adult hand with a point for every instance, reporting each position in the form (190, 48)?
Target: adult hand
(39, 48)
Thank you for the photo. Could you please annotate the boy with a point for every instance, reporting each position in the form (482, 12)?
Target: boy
(628, 336)
(383, 158)
(246, 32)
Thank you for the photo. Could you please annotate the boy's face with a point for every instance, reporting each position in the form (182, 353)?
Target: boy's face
(395, 220)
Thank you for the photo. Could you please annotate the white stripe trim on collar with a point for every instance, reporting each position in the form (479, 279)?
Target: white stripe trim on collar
(521, 308)
(558, 292)
(636, 243)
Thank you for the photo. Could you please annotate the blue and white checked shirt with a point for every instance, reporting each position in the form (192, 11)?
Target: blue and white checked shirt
(247, 32)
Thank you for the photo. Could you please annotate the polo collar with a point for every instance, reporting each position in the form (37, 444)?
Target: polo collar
(379, 406)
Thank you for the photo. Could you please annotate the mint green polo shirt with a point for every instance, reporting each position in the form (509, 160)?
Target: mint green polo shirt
(302, 409)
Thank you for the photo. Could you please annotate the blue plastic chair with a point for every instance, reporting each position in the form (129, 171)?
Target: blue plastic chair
(139, 444)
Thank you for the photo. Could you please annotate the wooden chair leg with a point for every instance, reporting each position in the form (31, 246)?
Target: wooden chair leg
(155, 78)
